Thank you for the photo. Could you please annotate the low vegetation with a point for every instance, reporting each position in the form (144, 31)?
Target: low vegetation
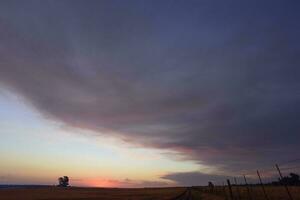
(196, 193)
(73, 193)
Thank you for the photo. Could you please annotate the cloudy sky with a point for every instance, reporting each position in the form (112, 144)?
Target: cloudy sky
(147, 93)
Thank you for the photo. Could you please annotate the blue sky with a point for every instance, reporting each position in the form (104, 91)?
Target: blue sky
(34, 150)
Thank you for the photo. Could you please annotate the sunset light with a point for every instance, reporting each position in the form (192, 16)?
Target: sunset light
(143, 99)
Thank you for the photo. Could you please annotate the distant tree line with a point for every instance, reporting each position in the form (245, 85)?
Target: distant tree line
(291, 180)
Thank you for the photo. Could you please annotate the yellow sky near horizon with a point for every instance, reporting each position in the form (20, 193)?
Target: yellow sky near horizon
(35, 150)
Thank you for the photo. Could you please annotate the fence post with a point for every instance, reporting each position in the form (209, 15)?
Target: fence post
(248, 189)
(230, 189)
(262, 185)
(285, 185)
(237, 188)
(224, 192)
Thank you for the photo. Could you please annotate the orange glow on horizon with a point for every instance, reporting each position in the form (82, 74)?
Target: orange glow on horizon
(101, 183)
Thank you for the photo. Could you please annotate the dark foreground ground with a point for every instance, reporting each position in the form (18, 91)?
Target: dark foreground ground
(55, 193)
(180, 193)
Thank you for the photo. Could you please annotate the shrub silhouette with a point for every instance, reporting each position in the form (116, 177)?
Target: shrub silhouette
(293, 179)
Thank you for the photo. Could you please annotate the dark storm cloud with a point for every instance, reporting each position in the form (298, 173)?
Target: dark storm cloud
(195, 178)
(198, 178)
(217, 82)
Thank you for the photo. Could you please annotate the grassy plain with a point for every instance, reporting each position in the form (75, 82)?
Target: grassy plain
(55, 193)
(256, 192)
(197, 193)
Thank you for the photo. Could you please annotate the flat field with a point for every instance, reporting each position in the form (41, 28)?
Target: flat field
(256, 192)
(55, 193)
(177, 193)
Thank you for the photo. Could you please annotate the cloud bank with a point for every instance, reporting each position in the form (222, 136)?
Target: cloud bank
(195, 178)
(216, 82)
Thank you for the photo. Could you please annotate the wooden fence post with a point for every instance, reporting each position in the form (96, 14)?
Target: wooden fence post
(224, 191)
(248, 189)
(230, 189)
(262, 185)
(237, 188)
(285, 185)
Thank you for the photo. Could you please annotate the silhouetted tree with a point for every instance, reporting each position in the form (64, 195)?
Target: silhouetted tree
(63, 181)
(293, 179)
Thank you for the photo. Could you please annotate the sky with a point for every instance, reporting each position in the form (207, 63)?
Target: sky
(143, 93)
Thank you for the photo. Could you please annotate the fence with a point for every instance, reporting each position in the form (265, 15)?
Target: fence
(257, 185)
